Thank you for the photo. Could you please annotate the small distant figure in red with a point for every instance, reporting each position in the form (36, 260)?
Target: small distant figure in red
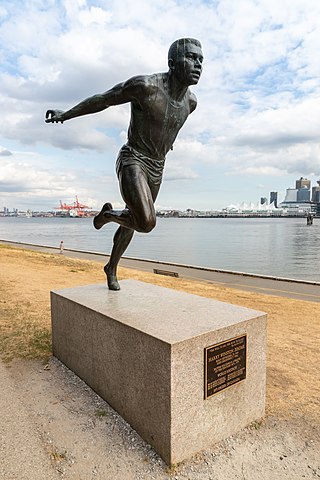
(61, 246)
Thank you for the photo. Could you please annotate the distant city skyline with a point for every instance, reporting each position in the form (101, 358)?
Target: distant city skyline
(303, 192)
(256, 128)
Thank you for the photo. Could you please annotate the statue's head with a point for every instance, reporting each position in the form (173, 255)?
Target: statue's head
(185, 60)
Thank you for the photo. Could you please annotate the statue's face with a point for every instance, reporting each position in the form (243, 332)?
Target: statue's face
(187, 66)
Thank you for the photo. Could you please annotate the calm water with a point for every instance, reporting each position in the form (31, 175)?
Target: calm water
(283, 247)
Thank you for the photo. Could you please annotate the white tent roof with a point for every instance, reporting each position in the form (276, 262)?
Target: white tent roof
(251, 207)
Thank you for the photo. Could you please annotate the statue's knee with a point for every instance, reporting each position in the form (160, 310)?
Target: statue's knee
(150, 226)
(147, 225)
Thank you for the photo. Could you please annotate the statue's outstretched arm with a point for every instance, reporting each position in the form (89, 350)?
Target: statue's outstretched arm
(122, 93)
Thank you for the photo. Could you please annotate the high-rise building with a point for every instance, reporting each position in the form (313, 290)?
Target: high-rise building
(263, 200)
(303, 194)
(274, 198)
(316, 193)
(297, 199)
(302, 183)
(291, 195)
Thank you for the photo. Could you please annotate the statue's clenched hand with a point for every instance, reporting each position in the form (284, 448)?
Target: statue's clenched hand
(54, 116)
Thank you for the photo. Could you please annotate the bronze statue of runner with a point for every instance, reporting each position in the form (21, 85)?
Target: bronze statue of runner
(160, 105)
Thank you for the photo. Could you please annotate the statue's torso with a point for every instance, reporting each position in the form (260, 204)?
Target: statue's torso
(156, 119)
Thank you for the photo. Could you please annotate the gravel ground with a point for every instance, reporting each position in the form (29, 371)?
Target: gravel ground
(54, 426)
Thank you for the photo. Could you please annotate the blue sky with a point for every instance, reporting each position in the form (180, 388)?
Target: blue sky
(256, 128)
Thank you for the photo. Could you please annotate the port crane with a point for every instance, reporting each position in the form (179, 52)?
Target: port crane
(76, 209)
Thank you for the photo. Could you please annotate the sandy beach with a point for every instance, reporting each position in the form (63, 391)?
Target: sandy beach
(54, 426)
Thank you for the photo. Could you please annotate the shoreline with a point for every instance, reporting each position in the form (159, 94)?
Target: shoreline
(292, 288)
(285, 249)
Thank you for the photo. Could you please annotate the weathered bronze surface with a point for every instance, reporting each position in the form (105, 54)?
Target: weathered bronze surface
(225, 365)
(160, 105)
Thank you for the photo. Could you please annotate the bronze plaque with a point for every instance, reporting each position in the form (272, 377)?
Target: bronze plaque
(224, 365)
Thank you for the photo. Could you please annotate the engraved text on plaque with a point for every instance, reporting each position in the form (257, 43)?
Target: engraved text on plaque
(225, 365)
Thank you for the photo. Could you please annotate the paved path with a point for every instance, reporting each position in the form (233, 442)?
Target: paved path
(22, 453)
(302, 290)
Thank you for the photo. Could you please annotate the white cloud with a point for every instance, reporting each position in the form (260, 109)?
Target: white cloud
(94, 16)
(179, 172)
(259, 170)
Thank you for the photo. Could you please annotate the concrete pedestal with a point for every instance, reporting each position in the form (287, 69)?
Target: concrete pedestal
(143, 350)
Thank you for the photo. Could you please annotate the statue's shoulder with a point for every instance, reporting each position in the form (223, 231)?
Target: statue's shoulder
(147, 83)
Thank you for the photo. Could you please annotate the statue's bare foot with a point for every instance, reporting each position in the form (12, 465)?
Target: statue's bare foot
(100, 219)
(112, 281)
